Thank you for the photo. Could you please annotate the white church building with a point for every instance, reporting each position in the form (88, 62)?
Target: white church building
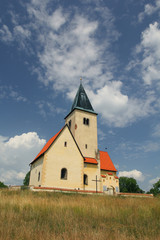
(71, 159)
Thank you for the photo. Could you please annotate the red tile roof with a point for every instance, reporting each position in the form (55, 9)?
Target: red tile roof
(90, 160)
(103, 176)
(106, 162)
(109, 173)
(47, 145)
(116, 177)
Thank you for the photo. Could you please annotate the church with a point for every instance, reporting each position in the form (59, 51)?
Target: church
(71, 159)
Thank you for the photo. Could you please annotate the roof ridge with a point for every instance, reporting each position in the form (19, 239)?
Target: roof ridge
(48, 144)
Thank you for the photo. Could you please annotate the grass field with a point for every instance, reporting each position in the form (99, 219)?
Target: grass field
(42, 215)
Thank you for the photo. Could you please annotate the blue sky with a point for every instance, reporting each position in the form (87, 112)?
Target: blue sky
(46, 46)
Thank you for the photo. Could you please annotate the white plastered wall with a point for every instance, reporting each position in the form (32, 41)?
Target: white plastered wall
(57, 157)
(36, 167)
(84, 134)
(92, 170)
(110, 181)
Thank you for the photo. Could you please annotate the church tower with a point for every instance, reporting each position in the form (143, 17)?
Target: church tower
(82, 121)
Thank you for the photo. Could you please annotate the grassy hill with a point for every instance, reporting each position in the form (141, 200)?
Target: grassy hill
(26, 215)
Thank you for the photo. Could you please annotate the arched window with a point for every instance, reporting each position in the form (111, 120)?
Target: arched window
(64, 173)
(85, 179)
(39, 175)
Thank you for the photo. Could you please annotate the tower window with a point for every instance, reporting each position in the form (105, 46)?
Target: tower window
(65, 144)
(86, 146)
(85, 179)
(64, 173)
(70, 122)
(86, 121)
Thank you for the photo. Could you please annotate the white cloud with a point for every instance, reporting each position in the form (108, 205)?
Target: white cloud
(152, 181)
(118, 109)
(149, 9)
(133, 173)
(150, 48)
(26, 140)
(11, 176)
(5, 34)
(9, 92)
(20, 32)
(147, 56)
(69, 46)
(57, 19)
(16, 154)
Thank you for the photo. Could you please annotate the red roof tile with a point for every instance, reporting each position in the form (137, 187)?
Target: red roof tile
(106, 162)
(48, 144)
(103, 176)
(116, 177)
(90, 160)
(109, 173)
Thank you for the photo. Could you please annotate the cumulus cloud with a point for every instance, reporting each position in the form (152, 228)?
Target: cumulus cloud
(151, 53)
(118, 109)
(154, 180)
(16, 154)
(149, 9)
(133, 173)
(11, 177)
(147, 55)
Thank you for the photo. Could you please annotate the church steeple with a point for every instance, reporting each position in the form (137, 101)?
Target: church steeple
(82, 121)
(81, 101)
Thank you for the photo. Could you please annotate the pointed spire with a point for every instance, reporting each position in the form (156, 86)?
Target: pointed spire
(81, 100)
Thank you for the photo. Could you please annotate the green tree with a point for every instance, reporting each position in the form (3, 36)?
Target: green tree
(2, 185)
(156, 188)
(129, 185)
(26, 179)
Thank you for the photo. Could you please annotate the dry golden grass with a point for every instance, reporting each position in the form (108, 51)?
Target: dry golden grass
(26, 215)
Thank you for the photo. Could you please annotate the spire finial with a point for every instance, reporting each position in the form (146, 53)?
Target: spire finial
(80, 80)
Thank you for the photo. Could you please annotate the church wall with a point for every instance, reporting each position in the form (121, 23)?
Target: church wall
(36, 168)
(84, 134)
(91, 171)
(72, 118)
(110, 182)
(59, 156)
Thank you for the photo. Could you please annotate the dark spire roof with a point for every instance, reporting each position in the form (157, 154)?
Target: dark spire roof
(81, 101)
